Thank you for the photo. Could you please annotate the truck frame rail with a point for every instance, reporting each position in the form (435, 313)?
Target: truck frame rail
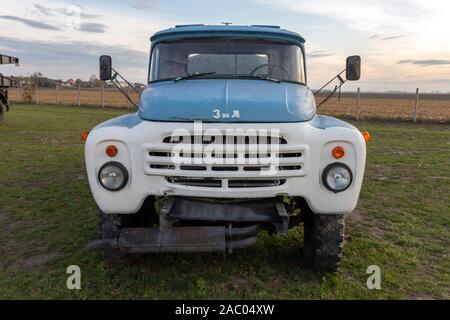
(6, 82)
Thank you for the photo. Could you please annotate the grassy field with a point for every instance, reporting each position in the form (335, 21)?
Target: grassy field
(47, 216)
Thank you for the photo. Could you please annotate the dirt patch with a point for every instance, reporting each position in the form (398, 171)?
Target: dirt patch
(439, 178)
(357, 217)
(236, 284)
(30, 263)
(277, 284)
(380, 172)
(387, 173)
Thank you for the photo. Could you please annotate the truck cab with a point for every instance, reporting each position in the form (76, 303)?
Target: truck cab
(228, 142)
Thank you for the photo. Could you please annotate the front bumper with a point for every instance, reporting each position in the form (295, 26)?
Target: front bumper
(153, 170)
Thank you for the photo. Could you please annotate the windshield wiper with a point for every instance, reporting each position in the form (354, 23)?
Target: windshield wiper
(257, 77)
(193, 75)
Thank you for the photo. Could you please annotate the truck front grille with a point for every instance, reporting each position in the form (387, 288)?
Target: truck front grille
(207, 161)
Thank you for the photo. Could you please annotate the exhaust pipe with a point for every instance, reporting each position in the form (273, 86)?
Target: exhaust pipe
(103, 245)
(241, 243)
(244, 232)
(180, 239)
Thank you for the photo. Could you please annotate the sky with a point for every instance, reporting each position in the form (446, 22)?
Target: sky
(404, 44)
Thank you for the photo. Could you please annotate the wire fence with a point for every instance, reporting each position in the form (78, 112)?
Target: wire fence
(358, 105)
(414, 106)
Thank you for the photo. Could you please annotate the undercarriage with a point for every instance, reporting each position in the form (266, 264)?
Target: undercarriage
(203, 225)
(215, 225)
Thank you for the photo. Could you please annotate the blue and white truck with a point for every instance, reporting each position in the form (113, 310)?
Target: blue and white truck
(228, 142)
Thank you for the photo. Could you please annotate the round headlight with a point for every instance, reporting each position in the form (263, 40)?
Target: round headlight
(113, 176)
(337, 177)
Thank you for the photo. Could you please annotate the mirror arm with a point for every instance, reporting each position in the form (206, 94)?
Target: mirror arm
(125, 80)
(121, 88)
(338, 76)
(336, 88)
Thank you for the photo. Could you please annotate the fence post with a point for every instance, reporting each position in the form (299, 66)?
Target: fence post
(57, 94)
(416, 105)
(358, 106)
(103, 96)
(37, 94)
(17, 94)
(79, 99)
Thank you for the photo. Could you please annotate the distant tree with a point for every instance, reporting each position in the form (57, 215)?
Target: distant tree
(95, 82)
(92, 80)
(100, 83)
(38, 79)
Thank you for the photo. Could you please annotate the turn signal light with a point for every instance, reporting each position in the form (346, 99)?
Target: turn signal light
(338, 152)
(84, 135)
(367, 136)
(111, 151)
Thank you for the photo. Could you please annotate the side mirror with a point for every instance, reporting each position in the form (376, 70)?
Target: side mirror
(353, 69)
(105, 67)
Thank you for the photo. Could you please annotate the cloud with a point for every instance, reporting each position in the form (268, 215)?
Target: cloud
(43, 10)
(368, 16)
(386, 38)
(74, 58)
(93, 27)
(68, 11)
(143, 4)
(426, 21)
(392, 37)
(319, 54)
(72, 11)
(31, 23)
(90, 27)
(425, 63)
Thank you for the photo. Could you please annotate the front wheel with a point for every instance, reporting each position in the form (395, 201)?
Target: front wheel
(323, 240)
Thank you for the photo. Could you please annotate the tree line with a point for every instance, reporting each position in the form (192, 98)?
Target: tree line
(37, 78)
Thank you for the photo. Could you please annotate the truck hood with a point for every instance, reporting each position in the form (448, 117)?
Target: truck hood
(212, 100)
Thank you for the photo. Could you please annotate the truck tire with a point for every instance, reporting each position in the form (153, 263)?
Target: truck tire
(323, 240)
(111, 224)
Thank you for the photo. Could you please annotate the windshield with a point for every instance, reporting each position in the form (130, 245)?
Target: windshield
(227, 58)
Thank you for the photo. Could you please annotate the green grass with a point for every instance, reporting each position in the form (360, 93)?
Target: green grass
(47, 216)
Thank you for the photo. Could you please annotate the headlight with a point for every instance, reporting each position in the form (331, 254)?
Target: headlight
(337, 177)
(113, 176)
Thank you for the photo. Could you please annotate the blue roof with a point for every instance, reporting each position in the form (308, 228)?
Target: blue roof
(208, 31)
